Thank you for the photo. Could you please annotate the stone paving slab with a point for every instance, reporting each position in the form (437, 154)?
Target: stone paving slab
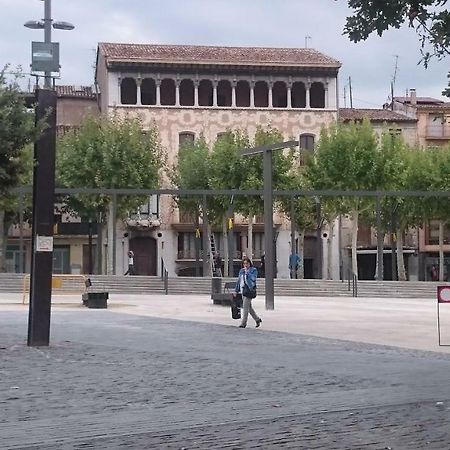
(113, 380)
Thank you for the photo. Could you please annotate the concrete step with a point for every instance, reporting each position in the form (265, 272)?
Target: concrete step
(10, 282)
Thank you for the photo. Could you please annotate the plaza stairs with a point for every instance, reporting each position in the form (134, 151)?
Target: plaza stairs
(11, 282)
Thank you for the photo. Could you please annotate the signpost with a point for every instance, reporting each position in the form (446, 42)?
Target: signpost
(443, 296)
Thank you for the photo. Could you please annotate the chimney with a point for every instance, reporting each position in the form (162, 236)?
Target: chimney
(413, 97)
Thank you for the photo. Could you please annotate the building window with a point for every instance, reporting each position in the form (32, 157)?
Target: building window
(205, 93)
(187, 243)
(432, 233)
(224, 93)
(306, 144)
(435, 125)
(187, 93)
(258, 244)
(128, 91)
(279, 95)
(298, 95)
(261, 94)
(185, 139)
(395, 132)
(317, 95)
(167, 92)
(148, 92)
(242, 94)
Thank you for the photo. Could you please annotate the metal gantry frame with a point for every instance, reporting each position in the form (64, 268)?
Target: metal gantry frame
(204, 194)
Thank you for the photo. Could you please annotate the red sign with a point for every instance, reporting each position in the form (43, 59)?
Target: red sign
(443, 294)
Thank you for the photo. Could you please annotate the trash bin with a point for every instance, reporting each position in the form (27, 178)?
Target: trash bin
(216, 285)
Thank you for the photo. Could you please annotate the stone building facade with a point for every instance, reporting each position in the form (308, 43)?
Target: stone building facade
(191, 90)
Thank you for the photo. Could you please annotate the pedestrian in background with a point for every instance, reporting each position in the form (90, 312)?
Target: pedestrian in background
(246, 284)
(294, 261)
(130, 270)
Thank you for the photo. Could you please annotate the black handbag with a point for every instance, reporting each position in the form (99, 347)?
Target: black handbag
(247, 292)
(235, 309)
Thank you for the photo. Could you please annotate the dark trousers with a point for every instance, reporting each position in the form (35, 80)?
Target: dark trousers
(130, 270)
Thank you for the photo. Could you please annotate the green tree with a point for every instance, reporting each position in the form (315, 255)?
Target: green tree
(108, 152)
(192, 171)
(430, 18)
(347, 158)
(227, 172)
(17, 131)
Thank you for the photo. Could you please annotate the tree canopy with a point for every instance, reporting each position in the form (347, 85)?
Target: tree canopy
(16, 131)
(430, 18)
(110, 152)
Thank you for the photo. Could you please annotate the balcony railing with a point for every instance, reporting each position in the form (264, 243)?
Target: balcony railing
(74, 228)
(190, 254)
(438, 132)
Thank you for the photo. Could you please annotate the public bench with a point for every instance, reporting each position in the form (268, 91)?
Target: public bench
(224, 297)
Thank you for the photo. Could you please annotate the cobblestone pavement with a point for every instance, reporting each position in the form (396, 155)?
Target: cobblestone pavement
(118, 381)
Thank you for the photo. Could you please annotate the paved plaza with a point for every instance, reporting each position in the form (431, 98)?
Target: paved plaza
(157, 372)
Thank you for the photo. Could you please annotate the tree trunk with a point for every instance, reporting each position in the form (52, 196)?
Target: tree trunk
(377, 261)
(3, 241)
(355, 217)
(226, 254)
(330, 250)
(441, 250)
(400, 256)
(301, 251)
(110, 221)
(250, 237)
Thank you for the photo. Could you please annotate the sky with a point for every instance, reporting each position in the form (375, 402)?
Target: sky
(261, 23)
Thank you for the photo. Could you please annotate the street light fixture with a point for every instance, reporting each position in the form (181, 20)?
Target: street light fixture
(45, 55)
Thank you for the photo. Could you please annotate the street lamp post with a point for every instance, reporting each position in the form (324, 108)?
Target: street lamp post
(268, 213)
(45, 58)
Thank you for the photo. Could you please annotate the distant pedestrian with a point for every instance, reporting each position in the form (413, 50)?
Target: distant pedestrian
(130, 270)
(294, 261)
(262, 268)
(246, 286)
(218, 263)
(434, 273)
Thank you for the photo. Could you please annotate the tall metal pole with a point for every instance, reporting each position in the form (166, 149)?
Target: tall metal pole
(48, 37)
(268, 229)
(206, 240)
(380, 240)
(293, 249)
(43, 219)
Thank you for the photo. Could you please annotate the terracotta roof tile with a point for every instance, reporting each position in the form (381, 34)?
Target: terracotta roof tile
(149, 53)
(75, 91)
(374, 115)
(419, 100)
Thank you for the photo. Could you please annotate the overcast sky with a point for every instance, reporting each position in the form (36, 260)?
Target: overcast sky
(262, 23)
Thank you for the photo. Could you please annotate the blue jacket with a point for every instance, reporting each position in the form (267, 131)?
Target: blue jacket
(250, 279)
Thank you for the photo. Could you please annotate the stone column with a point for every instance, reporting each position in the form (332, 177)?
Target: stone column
(252, 94)
(308, 93)
(289, 93)
(119, 83)
(196, 83)
(270, 99)
(215, 83)
(158, 91)
(138, 93)
(177, 91)
(233, 93)
(326, 94)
